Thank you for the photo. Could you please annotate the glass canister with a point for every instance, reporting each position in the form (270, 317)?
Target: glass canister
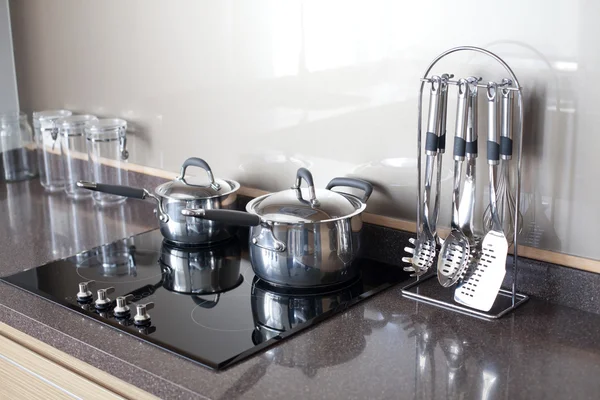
(73, 148)
(107, 150)
(51, 165)
(18, 147)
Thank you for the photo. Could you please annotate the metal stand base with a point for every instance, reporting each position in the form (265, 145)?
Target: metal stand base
(428, 290)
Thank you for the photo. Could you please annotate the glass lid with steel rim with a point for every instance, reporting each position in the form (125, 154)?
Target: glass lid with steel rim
(74, 125)
(49, 115)
(306, 205)
(105, 129)
(196, 188)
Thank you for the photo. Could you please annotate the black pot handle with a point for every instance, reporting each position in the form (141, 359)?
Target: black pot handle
(200, 163)
(353, 183)
(229, 217)
(126, 191)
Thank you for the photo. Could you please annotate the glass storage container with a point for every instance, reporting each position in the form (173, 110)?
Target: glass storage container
(73, 148)
(51, 165)
(107, 149)
(17, 147)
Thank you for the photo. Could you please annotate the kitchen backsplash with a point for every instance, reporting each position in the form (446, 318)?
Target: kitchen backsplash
(8, 93)
(259, 88)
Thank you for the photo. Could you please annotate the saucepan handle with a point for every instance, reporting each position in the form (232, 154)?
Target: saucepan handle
(125, 191)
(353, 183)
(229, 217)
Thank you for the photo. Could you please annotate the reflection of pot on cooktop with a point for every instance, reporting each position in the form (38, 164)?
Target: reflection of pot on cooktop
(275, 311)
(202, 270)
(114, 262)
(282, 309)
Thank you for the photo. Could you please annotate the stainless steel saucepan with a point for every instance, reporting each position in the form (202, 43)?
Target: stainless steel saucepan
(302, 237)
(182, 193)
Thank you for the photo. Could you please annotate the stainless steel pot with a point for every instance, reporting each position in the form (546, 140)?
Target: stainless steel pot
(202, 271)
(182, 193)
(302, 237)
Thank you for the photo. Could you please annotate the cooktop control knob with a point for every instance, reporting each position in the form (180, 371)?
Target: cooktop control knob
(142, 317)
(121, 309)
(85, 295)
(103, 301)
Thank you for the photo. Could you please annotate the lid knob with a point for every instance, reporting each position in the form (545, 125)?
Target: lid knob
(200, 163)
(305, 174)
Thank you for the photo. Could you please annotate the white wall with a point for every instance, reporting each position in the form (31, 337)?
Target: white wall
(8, 83)
(258, 88)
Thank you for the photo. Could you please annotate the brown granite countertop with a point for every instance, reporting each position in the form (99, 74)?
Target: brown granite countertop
(385, 347)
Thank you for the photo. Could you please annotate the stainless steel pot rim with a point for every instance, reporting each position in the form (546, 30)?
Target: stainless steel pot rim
(251, 206)
(234, 187)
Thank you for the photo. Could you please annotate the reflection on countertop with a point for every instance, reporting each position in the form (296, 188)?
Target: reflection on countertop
(404, 350)
(41, 227)
(386, 347)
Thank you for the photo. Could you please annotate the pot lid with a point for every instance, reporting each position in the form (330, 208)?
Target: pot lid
(308, 205)
(195, 188)
(294, 206)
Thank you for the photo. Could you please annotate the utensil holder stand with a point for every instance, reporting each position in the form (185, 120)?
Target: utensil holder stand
(428, 290)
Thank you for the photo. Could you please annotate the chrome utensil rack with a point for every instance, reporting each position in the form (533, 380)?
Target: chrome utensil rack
(426, 289)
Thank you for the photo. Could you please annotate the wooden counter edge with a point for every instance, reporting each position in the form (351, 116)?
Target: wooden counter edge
(585, 264)
(93, 374)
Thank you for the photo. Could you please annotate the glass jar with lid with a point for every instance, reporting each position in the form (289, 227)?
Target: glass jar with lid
(107, 150)
(51, 164)
(73, 148)
(17, 147)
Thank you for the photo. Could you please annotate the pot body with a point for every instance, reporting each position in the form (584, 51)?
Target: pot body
(303, 255)
(186, 231)
(202, 271)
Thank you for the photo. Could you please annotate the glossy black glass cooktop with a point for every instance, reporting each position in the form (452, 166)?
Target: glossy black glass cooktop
(216, 330)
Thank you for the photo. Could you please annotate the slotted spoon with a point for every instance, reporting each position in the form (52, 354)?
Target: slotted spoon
(454, 254)
(424, 251)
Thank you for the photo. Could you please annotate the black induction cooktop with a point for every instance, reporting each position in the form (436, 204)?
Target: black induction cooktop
(241, 316)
